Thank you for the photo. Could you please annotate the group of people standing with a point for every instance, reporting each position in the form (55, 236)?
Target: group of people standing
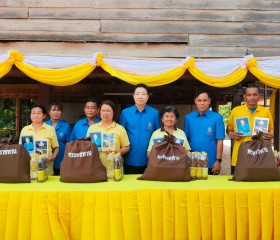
(140, 126)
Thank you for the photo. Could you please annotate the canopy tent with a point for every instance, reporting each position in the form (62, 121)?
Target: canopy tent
(68, 70)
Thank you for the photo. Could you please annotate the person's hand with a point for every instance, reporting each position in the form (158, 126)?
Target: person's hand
(49, 159)
(216, 168)
(108, 151)
(267, 136)
(235, 135)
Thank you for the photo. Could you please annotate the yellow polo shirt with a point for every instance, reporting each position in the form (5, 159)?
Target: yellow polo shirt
(45, 132)
(244, 111)
(157, 136)
(120, 135)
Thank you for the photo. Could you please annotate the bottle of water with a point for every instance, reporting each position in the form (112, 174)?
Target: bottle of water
(110, 166)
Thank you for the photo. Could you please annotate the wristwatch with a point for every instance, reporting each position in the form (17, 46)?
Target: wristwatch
(219, 160)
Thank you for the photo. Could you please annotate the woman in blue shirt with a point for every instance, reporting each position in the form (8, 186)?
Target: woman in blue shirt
(63, 132)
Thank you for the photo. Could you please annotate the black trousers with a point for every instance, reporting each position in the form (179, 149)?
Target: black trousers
(56, 172)
(232, 170)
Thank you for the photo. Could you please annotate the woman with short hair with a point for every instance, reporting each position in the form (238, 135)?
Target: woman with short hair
(169, 116)
(63, 133)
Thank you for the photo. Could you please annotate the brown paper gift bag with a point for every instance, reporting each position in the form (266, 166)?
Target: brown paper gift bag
(81, 163)
(14, 162)
(256, 161)
(167, 162)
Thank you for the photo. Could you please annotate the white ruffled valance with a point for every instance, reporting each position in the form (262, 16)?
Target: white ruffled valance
(68, 70)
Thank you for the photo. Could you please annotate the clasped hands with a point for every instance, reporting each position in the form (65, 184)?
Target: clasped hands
(239, 135)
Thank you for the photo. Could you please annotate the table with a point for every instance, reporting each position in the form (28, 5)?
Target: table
(133, 209)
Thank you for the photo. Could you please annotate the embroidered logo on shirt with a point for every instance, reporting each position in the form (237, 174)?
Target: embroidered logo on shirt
(209, 131)
(149, 126)
(61, 135)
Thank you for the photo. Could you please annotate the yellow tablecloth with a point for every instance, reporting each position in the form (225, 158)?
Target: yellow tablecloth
(132, 209)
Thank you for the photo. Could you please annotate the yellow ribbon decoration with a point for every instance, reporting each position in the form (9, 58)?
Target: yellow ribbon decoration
(6, 66)
(15, 56)
(99, 59)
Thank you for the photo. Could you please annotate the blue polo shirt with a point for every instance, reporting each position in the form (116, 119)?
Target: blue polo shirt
(80, 128)
(139, 127)
(63, 132)
(202, 132)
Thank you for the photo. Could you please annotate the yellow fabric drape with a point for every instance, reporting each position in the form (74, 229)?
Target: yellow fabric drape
(72, 75)
(263, 77)
(151, 81)
(5, 67)
(57, 77)
(133, 209)
(236, 77)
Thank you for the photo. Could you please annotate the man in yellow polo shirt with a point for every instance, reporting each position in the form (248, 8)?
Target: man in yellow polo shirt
(249, 110)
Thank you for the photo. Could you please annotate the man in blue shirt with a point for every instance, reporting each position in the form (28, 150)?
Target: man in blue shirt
(63, 132)
(205, 131)
(140, 121)
(91, 111)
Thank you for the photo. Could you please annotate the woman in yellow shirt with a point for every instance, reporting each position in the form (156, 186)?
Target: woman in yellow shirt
(169, 116)
(114, 136)
(40, 132)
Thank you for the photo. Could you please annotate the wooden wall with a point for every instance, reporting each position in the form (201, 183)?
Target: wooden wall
(178, 28)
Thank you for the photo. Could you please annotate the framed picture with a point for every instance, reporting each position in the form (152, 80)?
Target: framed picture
(41, 146)
(108, 141)
(243, 125)
(260, 125)
(180, 140)
(28, 142)
(96, 137)
(156, 140)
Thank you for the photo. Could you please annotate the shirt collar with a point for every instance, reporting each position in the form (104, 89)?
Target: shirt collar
(113, 124)
(136, 109)
(85, 121)
(30, 127)
(247, 109)
(57, 125)
(206, 114)
(163, 130)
